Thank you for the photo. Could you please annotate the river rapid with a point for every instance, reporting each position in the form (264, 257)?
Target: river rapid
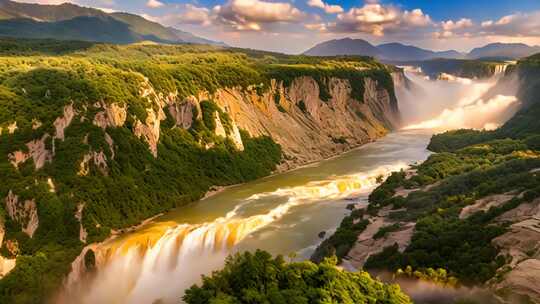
(283, 214)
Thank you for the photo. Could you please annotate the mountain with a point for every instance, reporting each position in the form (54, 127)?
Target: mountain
(388, 51)
(394, 52)
(346, 46)
(402, 52)
(504, 50)
(72, 22)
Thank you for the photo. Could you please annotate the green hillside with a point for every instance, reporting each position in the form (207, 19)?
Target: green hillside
(72, 22)
(468, 166)
(123, 181)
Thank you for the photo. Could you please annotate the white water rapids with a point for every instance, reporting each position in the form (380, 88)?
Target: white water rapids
(284, 213)
(144, 267)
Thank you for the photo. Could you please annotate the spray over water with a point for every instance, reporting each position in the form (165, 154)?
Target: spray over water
(161, 261)
(451, 102)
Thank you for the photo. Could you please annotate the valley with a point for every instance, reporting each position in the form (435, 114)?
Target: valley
(380, 152)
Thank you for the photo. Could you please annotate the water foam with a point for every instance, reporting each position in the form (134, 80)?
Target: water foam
(452, 102)
(143, 269)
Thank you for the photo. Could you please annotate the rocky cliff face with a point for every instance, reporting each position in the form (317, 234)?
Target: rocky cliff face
(308, 128)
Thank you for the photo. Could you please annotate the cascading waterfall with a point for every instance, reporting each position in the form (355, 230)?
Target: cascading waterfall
(455, 102)
(161, 261)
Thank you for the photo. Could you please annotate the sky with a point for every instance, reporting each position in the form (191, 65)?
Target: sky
(293, 26)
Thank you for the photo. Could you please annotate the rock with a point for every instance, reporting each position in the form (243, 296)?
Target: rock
(61, 123)
(485, 204)
(36, 150)
(24, 213)
(112, 116)
(322, 234)
(99, 159)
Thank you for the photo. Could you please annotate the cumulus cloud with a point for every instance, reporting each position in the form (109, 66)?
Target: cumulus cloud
(451, 25)
(510, 26)
(254, 15)
(329, 9)
(376, 19)
(520, 24)
(192, 14)
(154, 3)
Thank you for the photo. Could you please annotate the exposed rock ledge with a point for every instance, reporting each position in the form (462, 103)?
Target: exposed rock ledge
(522, 244)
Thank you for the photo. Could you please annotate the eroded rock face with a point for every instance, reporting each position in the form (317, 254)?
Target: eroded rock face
(36, 150)
(79, 215)
(61, 123)
(521, 243)
(220, 129)
(311, 135)
(183, 113)
(23, 212)
(150, 130)
(99, 159)
(112, 116)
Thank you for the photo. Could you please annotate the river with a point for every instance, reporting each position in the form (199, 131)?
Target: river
(284, 213)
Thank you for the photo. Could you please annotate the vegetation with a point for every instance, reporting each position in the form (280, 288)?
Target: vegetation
(39, 78)
(341, 242)
(469, 165)
(460, 67)
(259, 278)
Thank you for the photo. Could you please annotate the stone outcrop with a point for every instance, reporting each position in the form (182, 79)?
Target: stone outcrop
(98, 159)
(36, 150)
(183, 113)
(23, 212)
(79, 216)
(61, 123)
(150, 130)
(521, 246)
(311, 135)
(113, 115)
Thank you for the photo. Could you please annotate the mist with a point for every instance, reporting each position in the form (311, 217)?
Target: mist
(451, 102)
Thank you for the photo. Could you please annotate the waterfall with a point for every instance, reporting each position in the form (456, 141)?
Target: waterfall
(456, 102)
(500, 69)
(162, 260)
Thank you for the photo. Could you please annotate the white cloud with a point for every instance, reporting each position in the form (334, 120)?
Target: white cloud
(520, 24)
(192, 14)
(154, 3)
(254, 15)
(376, 19)
(451, 25)
(329, 9)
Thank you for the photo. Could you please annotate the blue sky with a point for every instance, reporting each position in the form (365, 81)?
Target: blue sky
(292, 26)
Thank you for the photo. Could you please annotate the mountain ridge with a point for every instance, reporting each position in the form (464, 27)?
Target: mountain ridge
(396, 51)
(73, 22)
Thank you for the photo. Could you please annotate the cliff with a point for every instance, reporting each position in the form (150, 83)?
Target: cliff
(471, 208)
(99, 139)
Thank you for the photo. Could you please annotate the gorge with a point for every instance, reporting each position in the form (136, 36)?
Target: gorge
(281, 214)
(101, 139)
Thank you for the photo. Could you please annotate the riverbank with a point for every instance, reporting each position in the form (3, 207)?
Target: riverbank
(282, 213)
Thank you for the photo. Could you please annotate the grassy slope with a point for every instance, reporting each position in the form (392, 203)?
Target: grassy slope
(39, 78)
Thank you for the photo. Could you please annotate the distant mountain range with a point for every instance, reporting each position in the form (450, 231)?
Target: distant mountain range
(72, 22)
(402, 52)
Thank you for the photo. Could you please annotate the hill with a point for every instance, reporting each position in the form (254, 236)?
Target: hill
(389, 51)
(97, 137)
(504, 50)
(394, 52)
(72, 22)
